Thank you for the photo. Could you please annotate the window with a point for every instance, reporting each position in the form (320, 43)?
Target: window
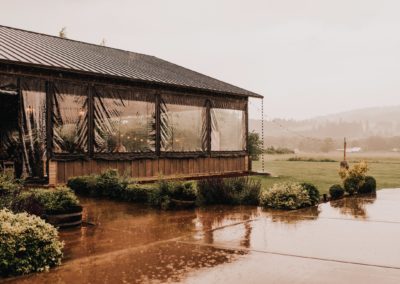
(183, 126)
(33, 129)
(228, 128)
(124, 121)
(70, 118)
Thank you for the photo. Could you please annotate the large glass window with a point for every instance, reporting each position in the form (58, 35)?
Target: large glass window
(183, 127)
(70, 117)
(10, 146)
(228, 129)
(33, 105)
(124, 121)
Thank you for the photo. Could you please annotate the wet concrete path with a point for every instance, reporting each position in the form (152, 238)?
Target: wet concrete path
(353, 240)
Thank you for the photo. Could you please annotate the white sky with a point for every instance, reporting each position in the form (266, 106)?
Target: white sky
(306, 57)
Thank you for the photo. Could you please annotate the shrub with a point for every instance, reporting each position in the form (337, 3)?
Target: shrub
(9, 187)
(110, 184)
(8, 184)
(184, 191)
(285, 196)
(27, 244)
(57, 201)
(84, 185)
(369, 185)
(352, 184)
(161, 196)
(107, 184)
(241, 190)
(136, 193)
(313, 192)
(336, 191)
(255, 146)
(41, 201)
(354, 177)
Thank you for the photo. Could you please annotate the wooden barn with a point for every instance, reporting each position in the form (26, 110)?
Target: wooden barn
(71, 108)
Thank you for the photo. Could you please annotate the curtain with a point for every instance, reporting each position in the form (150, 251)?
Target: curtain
(124, 121)
(70, 118)
(183, 124)
(33, 128)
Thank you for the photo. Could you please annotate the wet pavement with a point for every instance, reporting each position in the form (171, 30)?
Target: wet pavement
(352, 240)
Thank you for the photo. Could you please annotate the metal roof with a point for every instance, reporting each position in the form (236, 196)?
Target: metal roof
(20, 46)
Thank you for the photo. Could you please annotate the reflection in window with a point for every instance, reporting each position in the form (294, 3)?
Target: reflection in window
(183, 128)
(228, 130)
(70, 115)
(124, 121)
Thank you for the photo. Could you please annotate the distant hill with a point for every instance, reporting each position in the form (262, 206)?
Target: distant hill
(355, 124)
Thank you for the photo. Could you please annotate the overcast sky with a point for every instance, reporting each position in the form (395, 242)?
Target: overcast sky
(306, 57)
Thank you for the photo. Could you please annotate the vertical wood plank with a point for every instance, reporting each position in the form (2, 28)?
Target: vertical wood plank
(142, 168)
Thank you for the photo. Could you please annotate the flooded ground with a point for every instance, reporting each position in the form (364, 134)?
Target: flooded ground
(353, 240)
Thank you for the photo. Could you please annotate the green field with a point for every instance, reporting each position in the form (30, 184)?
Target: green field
(385, 167)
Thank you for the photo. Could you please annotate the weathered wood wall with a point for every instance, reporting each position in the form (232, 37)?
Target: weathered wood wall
(150, 169)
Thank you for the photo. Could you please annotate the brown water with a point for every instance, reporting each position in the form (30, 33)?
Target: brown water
(348, 241)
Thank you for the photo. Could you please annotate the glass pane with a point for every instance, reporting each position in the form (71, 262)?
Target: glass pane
(10, 146)
(228, 130)
(70, 116)
(34, 126)
(123, 124)
(183, 128)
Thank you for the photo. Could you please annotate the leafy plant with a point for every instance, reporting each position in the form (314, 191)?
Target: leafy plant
(285, 196)
(241, 190)
(28, 244)
(336, 191)
(354, 177)
(255, 146)
(41, 201)
(369, 185)
(313, 192)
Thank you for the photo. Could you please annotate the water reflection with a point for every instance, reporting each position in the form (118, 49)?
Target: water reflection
(294, 217)
(354, 206)
(218, 217)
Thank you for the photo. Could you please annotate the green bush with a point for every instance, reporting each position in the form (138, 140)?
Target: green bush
(110, 184)
(285, 196)
(369, 185)
(313, 192)
(184, 191)
(8, 189)
(41, 201)
(234, 191)
(136, 193)
(84, 185)
(336, 191)
(354, 177)
(168, 192)
(27, 244)
(352, 184)
(255, 146)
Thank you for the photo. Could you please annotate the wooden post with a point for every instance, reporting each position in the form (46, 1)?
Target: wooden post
(158, 125)
(90, 121)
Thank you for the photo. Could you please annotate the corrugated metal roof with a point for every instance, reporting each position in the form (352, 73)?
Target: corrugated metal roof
(49, 51)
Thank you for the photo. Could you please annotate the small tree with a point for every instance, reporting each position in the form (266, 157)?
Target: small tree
(255, 146)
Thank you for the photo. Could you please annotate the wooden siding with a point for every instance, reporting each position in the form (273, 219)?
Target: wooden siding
(150, 169)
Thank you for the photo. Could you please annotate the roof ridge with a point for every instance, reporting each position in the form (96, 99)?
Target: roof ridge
(74, 40)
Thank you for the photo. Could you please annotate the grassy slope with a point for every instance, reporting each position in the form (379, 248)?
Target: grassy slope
(384, 167)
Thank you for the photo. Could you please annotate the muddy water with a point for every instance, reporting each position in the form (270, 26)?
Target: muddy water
(354, 239)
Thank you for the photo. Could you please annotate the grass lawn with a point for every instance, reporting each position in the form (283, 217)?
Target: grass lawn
(385, 167)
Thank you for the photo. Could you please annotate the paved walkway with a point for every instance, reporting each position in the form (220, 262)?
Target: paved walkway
(353, 240)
